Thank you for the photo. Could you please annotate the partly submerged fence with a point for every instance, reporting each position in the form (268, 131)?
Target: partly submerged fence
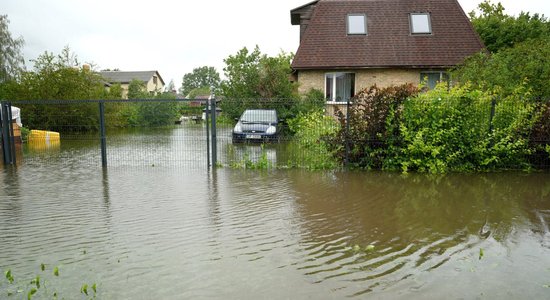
(201, 133)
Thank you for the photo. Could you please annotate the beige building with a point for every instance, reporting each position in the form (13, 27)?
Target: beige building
(151, 79)
(347, 46)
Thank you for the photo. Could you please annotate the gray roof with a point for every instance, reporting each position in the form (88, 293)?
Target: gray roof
(127, 77)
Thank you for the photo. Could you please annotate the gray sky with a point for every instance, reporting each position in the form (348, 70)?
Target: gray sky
(170, 36)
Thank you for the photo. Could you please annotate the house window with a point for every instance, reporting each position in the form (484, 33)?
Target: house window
(357, 24)
(339, 87)
(421, 23)
(154, 79)
(431, 79)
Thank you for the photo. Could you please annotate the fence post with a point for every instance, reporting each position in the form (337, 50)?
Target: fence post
(493, 105)
(8, 142)
(346, 159)
(214, 131)
(207, 122)
(102, 133)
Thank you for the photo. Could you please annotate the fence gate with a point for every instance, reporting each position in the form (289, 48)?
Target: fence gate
(7, 136)
(135, 132)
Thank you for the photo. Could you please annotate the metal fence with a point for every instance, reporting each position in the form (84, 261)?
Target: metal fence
(201, 133)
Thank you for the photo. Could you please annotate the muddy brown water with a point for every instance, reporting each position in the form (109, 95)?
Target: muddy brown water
(166, 232)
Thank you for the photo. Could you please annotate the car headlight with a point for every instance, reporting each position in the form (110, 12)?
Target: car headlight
(271, 130)
(238, 128)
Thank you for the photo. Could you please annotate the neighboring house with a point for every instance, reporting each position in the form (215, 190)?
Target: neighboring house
(346, 46)
(151, 79)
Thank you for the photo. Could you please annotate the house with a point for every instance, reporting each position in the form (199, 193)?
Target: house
(151, 79)
(348, 45)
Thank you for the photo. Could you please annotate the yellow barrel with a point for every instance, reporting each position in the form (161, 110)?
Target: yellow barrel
(42, 139)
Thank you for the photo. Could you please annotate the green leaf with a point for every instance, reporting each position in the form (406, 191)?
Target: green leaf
(56, 271)
(481, 253)
(94, 288)
(42, 267)
(9, 276)
(84, 289)
(31, 292)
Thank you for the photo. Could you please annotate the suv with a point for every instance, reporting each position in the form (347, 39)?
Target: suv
(256, 125)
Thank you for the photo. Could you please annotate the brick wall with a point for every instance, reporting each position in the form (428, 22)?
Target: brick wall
(363, 78)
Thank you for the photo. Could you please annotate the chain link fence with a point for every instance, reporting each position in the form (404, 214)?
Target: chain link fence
(288, 133)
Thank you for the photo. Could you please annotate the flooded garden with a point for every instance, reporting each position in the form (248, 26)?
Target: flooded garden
(157, 223)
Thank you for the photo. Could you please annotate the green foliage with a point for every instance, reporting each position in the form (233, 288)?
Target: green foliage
(253, 75)
(202, 91)
(312, 101)
(499, 30)
(255, 80)
(137, 90)
(11, 59)
(452, 130)
(42, 285)
(149, 113)
(263, 163)
(373, 131)
(201, 78)
(58, 77)
(524, 65)
(309, 144)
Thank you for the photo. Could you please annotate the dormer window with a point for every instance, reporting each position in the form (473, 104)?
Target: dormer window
(421, 23)
(357, 24)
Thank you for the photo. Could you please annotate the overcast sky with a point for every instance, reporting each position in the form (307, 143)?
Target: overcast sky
(170, 36)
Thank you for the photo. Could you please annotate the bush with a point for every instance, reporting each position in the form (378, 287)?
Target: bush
(373, 130)
(309, 144)
(454, 130)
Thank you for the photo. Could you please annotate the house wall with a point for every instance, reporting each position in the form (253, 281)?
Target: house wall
(363, 79)
(149, 85)
(152, 87)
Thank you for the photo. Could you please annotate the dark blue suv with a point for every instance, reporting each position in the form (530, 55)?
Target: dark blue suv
(257, 125)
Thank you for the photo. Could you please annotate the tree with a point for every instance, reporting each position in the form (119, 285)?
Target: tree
(11, 59)
(525, 66)
(171, 87)
(499, 30)
(255, 75)
(150, 113)
(136, 90)
(200, 78)
(58, 77)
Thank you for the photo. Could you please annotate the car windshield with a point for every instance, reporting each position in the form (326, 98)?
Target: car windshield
(259, 116)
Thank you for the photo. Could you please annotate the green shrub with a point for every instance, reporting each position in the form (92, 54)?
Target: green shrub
(455, 130)
(372, 134)
(309, 144)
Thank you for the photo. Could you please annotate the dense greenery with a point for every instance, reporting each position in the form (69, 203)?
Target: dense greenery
(309, 144)
(499, 30)
(253, 75)
(454, 130)
(369, 133)
(149, 113)
(525, 65)
(442, 130)
(54, 78)
(518, 57)
(11, 59)
(203, 78)
(256, 80)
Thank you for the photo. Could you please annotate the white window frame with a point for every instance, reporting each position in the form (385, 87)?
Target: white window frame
(411, 23)
(348, 27)
(333, 96)
(442, 75)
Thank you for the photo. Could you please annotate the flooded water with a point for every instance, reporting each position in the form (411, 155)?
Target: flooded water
(166, 232)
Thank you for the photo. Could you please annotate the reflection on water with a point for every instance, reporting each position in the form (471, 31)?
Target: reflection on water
(160, 232)
(157, 224)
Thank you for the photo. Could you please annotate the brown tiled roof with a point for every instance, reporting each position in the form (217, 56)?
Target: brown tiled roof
(389, 43)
